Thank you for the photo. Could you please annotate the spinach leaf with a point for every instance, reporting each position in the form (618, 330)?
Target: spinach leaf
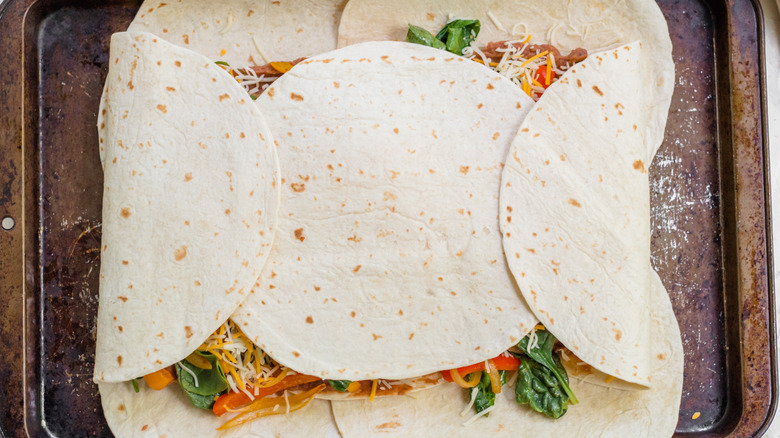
(485, 395)
(339, 385)
(135, 385)
(202, 401)
(418, 35)
(458, 34)
(538, 387)
(543, 354)
(211, 382)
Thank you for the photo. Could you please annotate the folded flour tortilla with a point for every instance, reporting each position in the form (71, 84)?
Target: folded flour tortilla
(175, 128)
(567, 24)
(602, 411)
(244, 32)
(388, 260)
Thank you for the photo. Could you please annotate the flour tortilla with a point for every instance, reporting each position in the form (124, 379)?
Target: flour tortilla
(234, 30)
(189, 172)
(169, 413)
(388, 261)
(591, 24)
(575, 212)
(602, 411)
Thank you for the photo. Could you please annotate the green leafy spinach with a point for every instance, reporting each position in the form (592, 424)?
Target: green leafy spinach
(485, 396)
(458, 34)
(340, 385)
(542, 381)
(211, 383)
(418, 35)
(539, 388)
(543, 354)
(453, 37)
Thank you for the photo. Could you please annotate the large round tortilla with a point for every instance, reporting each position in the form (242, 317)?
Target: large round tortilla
(602, 411)
(575, 212)
(234, 30)
(168, 413)
(189, 172)
(567, 24)
(388, 262)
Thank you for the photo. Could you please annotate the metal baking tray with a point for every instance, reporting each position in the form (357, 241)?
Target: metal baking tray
(709, 195)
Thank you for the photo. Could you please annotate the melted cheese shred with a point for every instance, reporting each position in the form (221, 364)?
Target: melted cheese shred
(247, 367)
(520, 70)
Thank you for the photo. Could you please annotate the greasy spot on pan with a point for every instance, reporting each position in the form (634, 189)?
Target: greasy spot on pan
(309, 320)
(188, 331)
(296, 97)
(299, 234)
(574, 202)
(125, 212)
(180, 253)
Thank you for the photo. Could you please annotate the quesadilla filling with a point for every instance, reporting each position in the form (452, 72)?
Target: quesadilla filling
(229, 374)
(532, 67)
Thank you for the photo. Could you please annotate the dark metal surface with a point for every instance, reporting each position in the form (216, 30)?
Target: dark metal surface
(709, 193)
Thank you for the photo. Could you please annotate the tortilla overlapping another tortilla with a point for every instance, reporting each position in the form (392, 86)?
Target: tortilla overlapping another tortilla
(594, 25)
(575, 212)
(602, 411)
(388, 260)
(244, 32)
(175, 128)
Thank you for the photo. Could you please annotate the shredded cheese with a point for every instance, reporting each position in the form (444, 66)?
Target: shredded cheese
(257, 47)
(474, 392)
(479, 414)
(228, 25)
(286, 402)
(496, 22)
(373, 391)
(194, 377)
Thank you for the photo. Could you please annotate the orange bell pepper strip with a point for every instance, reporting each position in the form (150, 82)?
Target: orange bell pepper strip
(502, 363)
(234, 400)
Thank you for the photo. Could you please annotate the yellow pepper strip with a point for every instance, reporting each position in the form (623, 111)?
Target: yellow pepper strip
(199, 361)
(472, 382)
(159, 379)
(539, 327)
(265, 406)
(353, 387)
(274, 380)
(281, 67)
(495, 378)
